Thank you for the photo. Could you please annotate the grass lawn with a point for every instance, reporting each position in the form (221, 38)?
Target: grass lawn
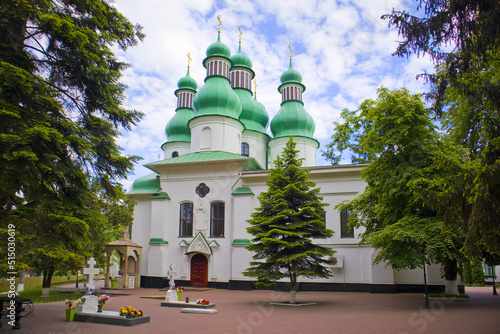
(54, 296)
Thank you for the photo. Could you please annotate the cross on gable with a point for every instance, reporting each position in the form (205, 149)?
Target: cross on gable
(90, 272)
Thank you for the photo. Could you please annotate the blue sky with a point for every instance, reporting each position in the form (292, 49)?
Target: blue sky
(342, 49)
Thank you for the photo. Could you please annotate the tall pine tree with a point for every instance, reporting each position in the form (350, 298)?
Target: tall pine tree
(289, 217)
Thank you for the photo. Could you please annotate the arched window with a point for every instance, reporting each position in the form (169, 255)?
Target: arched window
(175, 154)
(186, 220)
(217, 219)
(206, 138)
(345, 232)
(245, 149)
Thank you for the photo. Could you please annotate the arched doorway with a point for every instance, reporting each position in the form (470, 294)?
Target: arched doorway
(199, 271)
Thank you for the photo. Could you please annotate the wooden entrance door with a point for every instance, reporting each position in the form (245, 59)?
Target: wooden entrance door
(199, 271)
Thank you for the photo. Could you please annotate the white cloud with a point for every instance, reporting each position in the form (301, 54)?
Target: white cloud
(341, 48)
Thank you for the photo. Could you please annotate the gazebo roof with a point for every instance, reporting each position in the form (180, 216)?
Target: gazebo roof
(124, 243)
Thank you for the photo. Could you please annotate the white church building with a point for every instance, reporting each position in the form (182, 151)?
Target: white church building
(192, 210)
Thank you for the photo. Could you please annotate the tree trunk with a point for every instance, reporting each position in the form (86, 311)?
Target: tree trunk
(22, 274)
(451, 287)
(293, 288)
(47, 278)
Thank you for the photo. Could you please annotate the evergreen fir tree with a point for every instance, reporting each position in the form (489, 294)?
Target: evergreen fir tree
(290, 215)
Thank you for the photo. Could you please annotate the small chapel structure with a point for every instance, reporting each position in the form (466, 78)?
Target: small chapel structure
(192, 210)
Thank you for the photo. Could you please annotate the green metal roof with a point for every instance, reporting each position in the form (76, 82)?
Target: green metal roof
(158, 241)
(292, 120)
(218, 49)
(241, 60)
(149, 184)
(242, 191)
(291, 76)
(217, 97)
(162, 195)
(241, 242)
(211, 156)
(177, 128)
(187, 82)
(253, 114)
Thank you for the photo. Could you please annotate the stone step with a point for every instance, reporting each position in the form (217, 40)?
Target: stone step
(199, 310)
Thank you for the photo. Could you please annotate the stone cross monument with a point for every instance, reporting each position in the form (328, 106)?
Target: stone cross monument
(90, 272)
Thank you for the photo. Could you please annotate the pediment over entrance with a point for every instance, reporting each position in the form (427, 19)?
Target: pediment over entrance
(200, 244)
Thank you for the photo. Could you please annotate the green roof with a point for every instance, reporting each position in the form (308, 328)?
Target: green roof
(292, 120)
(242, 191)
(217, 97)
(149, 184)
(162, 195)
(253, 114)
(241, 60)
(211, 156)
(291, 76)
(241, 242)
(187, 82)
(177, 128)
(158, 241)
(218, 49)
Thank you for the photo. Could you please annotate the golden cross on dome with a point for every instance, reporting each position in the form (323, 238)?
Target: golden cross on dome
(189, 59)
(220, 22)
(290, 47)
(239, 28)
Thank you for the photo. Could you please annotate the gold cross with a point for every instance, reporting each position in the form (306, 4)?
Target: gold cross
(189, 59)
(290, 47)
(239, 28)
(220, 22)
(255, 83)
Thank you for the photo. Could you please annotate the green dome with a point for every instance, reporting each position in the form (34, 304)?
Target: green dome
(291, 76)
(292, 120)
(217, 97)
(187, 82)
(149, 184)
(177, 128)
(253, 114)
(218, 49)
(241, 60)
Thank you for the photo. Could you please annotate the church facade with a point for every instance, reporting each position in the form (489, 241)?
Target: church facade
(192, 210)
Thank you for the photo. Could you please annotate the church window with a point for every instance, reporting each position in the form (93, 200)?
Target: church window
(245, 149)
(217, 219)
(206, 138)
(186, 220)
(175, 154)
(345, 232)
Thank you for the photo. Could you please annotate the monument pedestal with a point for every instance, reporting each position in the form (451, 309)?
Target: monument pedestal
(171, 296)
(111, 318)
(184, 304)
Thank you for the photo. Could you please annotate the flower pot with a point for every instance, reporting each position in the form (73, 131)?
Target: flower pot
(99, 308)
(179, 295)
(113, 284)
(70, 314)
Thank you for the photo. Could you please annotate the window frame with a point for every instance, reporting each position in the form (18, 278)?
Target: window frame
(217, 224)
(183, 221)
(245, 149)
(345, 233)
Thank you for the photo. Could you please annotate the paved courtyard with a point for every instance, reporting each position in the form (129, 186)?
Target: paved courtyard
(246, 312)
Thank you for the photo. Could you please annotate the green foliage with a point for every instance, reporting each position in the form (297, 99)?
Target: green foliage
(465, 91)
(387, 124)
(289, 216)
(60, 113)
(472, 273)
(397, 133)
